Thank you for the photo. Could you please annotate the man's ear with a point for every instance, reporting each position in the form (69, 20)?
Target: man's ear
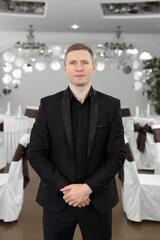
(64, 69)
(94, 67)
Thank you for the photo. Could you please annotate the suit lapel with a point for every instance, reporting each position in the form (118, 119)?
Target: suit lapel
(92, 121)
(66, 113)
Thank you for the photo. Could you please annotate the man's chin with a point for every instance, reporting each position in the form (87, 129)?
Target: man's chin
(80, 84)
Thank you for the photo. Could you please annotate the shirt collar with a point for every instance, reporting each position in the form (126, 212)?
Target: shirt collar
(72, 96)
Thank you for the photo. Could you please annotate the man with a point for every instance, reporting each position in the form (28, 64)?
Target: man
(77, 148)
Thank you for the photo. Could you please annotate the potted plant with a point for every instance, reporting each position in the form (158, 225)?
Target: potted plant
(152, 84)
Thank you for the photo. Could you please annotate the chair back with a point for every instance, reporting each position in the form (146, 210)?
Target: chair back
(156, 134)
(2, 147)
(131, 183)
(1, 134)
(31, 111)
(1, 126)
(18, 171)
(125, 111)
(129, 164)
(130, 169)
(143, 145)
(140, 194)
(11, 189)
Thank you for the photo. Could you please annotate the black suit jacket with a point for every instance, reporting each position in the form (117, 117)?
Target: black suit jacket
(51, 150)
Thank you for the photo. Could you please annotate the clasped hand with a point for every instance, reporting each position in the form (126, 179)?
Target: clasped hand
(77, 195)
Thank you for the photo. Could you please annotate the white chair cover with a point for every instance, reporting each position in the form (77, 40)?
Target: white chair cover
(13, 131)
(11, 189)
(3, 158)
(157, 152)
(140, 194)
(144, 160)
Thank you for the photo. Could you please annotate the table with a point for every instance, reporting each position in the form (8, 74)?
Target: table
(150, 158)
(13, 129)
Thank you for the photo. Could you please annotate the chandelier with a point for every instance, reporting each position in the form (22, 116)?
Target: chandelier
(118, 54)
(31, 49)
(118, 47)
(25, 57)
(115, 52)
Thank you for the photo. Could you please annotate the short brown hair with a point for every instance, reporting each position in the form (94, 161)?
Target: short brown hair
(79, 46)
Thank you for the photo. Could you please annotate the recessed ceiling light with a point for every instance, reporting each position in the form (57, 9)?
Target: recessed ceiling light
(23, 7)
(75, 26)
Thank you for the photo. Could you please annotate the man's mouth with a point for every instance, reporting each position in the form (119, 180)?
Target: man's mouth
(79, 75)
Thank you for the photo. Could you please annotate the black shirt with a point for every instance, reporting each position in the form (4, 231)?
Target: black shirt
(80, 126)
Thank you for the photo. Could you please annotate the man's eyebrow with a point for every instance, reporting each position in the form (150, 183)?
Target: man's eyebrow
(77, 60)
(72, 60)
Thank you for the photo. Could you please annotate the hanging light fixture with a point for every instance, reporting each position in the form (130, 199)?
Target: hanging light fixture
(24, 57)
(30, 54)
(118, 46)
(32, 51)
(116, 51)
(26, 54)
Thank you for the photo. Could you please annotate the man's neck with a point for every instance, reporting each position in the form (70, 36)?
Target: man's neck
(80, 92)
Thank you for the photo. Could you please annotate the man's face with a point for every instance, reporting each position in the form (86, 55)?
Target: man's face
(79, 67)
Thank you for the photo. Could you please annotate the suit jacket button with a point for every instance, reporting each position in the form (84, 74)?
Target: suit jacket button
(73, 164)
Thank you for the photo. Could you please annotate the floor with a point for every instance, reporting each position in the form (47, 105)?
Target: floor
(29, 225)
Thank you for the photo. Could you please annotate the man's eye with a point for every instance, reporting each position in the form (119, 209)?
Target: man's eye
(72, 63)
(85, 62)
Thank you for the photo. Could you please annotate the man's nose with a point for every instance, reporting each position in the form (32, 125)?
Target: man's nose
(79, 67)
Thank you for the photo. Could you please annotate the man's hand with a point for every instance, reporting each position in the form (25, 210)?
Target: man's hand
(77, 194)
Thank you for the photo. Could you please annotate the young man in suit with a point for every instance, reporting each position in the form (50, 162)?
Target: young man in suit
(77, 148)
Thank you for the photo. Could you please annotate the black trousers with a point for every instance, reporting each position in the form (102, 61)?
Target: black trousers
(61, 225)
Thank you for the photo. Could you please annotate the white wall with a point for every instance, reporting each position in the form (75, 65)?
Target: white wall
(38, 84)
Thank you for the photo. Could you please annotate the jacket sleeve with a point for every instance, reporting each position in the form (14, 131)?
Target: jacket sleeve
(40, 155)
(115, 154)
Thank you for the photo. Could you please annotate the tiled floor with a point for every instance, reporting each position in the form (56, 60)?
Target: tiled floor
(29, 225)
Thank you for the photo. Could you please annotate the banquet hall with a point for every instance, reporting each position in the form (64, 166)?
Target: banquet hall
(125, 38)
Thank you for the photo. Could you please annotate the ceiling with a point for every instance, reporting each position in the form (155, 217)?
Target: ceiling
(61, 14)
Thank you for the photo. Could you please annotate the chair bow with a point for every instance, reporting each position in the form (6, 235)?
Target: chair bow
(141, 138)
(1, 126)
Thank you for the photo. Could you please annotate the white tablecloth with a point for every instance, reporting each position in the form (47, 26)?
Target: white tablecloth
(14, 128)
